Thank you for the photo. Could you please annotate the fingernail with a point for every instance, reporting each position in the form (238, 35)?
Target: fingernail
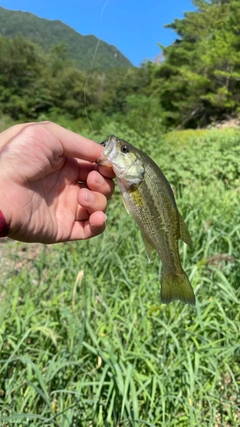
(99, 179)
(89, 196)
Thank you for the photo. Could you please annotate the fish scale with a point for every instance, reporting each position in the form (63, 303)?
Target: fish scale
(148, 197)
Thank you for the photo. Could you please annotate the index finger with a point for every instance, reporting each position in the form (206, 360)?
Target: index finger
(75, 145)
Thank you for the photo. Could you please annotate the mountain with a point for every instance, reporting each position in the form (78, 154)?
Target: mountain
(47, 33)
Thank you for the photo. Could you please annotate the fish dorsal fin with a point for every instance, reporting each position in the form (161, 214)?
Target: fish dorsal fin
(184, 233)
(149, 248)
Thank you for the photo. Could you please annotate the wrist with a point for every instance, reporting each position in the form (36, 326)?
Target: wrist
(4, 228)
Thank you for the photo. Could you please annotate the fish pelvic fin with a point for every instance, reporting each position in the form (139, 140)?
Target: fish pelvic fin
(184, 233)
(148, 247)
(177, 287)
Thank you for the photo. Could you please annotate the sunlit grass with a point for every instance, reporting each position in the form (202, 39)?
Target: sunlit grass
(5, 122)
(85, 340)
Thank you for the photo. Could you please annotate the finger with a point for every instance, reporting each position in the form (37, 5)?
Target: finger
(96, 182)
(91, 200)
(84, 170)
(105, 171)
(75, 145)
(95, 225)
(82, 214)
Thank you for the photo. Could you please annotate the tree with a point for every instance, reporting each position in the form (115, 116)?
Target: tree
(21, 67)
(199, 79)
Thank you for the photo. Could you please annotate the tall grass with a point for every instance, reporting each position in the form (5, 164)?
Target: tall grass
(84, 339)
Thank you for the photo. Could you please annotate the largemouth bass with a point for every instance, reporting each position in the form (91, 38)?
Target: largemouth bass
(148, 197)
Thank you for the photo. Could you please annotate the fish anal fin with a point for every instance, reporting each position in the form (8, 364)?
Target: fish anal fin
(177, 287)
(149, 248)
(184, 233)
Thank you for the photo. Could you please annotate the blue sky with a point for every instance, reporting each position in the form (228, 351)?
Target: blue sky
(133, 26)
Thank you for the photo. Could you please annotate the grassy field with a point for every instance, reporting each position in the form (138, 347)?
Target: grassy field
(84, 339)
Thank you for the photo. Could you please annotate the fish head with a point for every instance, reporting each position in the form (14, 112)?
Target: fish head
(124, 159)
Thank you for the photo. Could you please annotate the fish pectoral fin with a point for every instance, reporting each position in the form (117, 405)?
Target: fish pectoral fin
(184, 233)
(149, 248)
(125, 205)
(177, 287)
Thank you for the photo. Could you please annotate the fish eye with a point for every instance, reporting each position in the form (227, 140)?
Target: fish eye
(104, 143)
(124, 149)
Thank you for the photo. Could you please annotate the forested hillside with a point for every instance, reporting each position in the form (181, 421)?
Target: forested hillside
(47, 33)
(196, 82)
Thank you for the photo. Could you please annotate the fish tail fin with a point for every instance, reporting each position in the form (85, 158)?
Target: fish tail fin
(177, 287)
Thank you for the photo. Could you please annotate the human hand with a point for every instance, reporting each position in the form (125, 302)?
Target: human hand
(51, 189)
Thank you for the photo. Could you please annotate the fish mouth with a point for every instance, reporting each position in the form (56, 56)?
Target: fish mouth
(109, 151)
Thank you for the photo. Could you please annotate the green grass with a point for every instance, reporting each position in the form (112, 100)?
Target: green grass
(5, 122)
(84, 339)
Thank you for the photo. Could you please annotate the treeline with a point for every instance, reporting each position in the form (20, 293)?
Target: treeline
(199, 79)
(196, 80)
(33, 83)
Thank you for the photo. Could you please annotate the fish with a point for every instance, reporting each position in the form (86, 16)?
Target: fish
(148, 197)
